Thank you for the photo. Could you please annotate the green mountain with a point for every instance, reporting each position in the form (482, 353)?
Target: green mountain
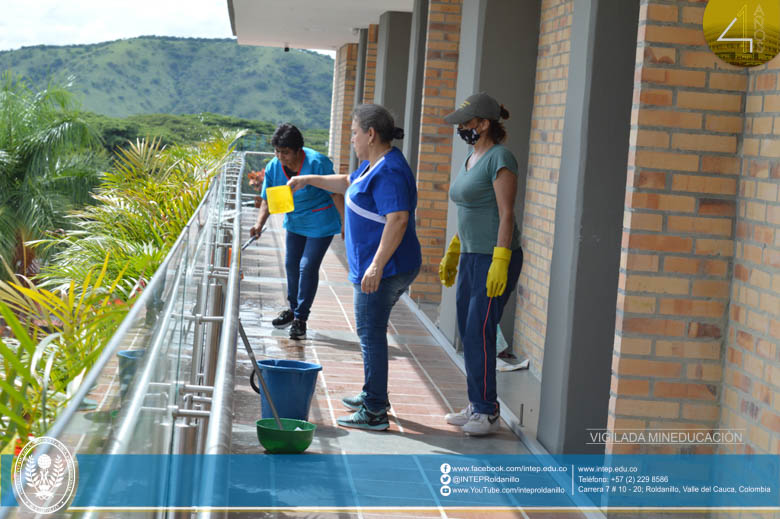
(185, 76)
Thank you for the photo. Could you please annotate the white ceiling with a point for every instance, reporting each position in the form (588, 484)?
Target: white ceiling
(306, 24)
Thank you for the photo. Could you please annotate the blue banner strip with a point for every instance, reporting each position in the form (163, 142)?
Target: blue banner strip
(417, 481)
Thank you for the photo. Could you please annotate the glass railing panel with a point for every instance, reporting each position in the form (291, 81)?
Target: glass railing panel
(145, 394)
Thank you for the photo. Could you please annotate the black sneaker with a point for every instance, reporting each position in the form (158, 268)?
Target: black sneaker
(365, 419)
(284, 319)
(356, 402)
(298, 329)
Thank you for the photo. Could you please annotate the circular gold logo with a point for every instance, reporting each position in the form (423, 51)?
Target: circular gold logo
(743, 32)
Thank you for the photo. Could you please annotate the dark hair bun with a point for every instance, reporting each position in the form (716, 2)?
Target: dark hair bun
(504, 113)
(398, 133)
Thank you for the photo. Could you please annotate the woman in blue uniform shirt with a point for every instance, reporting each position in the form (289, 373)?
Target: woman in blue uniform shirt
(382, 248)
(310, 227)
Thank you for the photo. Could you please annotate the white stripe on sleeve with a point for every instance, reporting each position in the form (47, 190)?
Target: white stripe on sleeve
(364, 212)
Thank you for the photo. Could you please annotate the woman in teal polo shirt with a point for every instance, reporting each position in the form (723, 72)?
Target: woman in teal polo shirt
(382, 248)
(310, 227)
(487, 250)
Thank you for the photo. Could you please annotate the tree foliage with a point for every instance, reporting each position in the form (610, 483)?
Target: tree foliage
(49, 162)
(179, 129)
(62, 322)
(143, 202)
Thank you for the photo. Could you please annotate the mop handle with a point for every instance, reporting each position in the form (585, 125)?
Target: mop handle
(259, 373)
(248, 242)
(251, 239)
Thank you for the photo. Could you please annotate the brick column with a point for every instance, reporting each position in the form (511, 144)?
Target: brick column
(751, 380)
(344, 69)
(544, 163)
(433, 166)
(678, 229)
(369, 81)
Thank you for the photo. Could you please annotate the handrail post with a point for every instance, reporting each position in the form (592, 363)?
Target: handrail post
(219, 431)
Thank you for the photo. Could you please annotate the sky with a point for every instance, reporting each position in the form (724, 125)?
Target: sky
(69, 22)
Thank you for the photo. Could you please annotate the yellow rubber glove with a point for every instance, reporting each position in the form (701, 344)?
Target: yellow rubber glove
(496, 279)
(448, 267)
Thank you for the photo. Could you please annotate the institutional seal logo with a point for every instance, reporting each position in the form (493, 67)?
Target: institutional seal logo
(45, 476)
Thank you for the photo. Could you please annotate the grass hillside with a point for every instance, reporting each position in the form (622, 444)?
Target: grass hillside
(185, 76)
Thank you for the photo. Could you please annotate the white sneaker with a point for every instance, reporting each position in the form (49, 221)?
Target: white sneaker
(481, 424)
(459, 418)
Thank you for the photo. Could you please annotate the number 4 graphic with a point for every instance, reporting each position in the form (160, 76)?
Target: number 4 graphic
(742, 12)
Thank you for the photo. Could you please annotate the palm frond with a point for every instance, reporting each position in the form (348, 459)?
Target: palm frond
(6, 163)
(105, 253)
(60, 136)
(44, 171)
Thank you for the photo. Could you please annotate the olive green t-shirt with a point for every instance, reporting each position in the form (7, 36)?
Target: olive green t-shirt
(472, 191)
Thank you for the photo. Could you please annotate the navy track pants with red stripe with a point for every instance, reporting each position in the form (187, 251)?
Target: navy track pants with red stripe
(478, 317)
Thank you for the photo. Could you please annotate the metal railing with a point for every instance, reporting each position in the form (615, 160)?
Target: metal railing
(174, 393)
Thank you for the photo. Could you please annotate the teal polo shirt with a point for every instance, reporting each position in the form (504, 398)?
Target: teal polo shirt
(315, 215)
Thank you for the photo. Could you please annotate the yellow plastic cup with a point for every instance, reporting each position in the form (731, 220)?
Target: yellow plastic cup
(280, 199)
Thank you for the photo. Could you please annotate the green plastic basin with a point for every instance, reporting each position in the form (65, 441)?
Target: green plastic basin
(287, 440)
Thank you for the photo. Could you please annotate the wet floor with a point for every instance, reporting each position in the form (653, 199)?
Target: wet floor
(424, 383)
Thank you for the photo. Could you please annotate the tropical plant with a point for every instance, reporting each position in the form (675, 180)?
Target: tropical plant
(48, 165)
(58, 337)
(144, 202)
(62, 322)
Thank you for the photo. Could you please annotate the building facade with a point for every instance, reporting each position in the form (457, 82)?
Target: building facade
(648, 203)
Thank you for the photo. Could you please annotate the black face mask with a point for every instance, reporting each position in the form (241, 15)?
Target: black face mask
(470, 136)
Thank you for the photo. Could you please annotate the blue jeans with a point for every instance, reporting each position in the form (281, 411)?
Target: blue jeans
(302, 263)
(478, 317)
(372, 314)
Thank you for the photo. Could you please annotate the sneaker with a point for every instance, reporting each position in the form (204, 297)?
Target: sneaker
(365, 419)
(459, 418)
(284, 318)
(481, 424)
(356, 402)
(298, 329)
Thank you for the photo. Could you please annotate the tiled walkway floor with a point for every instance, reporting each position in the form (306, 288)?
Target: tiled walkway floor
(424, 384)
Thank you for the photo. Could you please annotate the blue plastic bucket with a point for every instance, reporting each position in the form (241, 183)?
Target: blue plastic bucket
(291, 384)
(128, 364)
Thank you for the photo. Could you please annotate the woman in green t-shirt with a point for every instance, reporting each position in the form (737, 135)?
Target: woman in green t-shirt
(487, 251)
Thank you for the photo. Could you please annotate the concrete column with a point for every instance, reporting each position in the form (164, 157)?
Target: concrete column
(505, 68)
(414, 82)
(335, 118)
(360, 78)
(360, 71)
(588, 225)
(392, 62)
(470, 52)
(433, 164)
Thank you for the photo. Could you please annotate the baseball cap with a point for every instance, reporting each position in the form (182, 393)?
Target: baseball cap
(476, 105)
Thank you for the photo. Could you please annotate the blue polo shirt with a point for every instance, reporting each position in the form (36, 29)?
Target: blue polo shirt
(388, 187)
(315, 214)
